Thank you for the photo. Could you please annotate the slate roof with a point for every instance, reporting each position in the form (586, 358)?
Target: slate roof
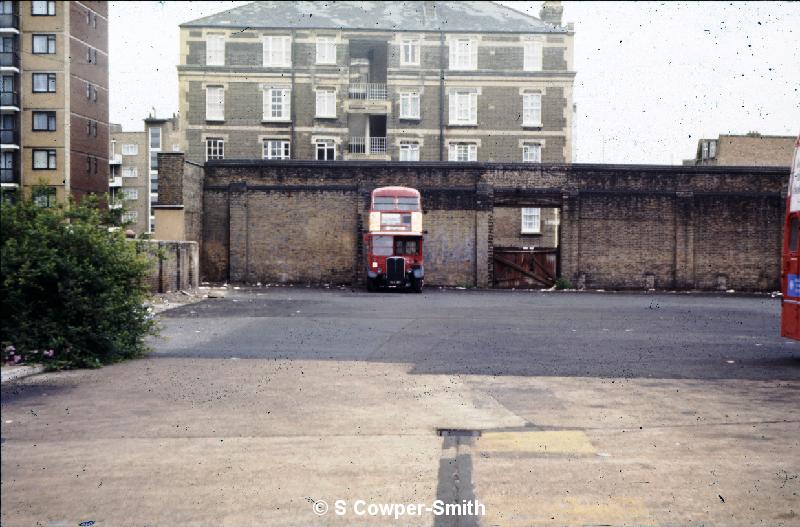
(480, 17)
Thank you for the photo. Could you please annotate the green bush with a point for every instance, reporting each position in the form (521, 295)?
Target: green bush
(72, 291)
(563, 283)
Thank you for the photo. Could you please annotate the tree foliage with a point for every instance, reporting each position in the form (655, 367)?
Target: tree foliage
(73, 291)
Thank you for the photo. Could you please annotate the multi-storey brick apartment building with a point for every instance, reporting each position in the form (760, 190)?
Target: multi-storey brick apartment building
(134, 168)
(54, 98)
(407, 81)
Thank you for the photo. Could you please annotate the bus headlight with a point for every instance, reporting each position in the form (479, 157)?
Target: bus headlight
(374, 264)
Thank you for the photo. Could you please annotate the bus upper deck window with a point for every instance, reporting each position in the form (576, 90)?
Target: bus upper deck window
(793, 226)
(383, 203)
(408, 204)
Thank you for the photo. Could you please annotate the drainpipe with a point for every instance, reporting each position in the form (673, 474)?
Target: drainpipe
(293, 150)
(441, 96)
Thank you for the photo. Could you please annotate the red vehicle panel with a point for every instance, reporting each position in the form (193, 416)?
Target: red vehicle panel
(790, 268)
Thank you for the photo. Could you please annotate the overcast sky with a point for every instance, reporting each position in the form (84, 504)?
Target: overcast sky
(652, 78)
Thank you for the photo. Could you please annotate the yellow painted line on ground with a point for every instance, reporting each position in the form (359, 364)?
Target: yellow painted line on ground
(549, 442)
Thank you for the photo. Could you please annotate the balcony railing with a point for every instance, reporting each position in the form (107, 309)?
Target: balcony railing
(9, 175)
(115, 182)
(359, 145)
(9, 58)
(367, 91)
(115, 159)
(9, 137)
(9, 20)
(9, 98)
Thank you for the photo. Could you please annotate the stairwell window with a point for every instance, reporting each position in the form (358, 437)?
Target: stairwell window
(463, 54)
(464, 107)
(130, 194)
(130, 149)
(463, 152)
(277, 104)
(44, 44)
(532, 153)
(531, 221)
(215, 103)
(130, 172)
(277, 51)
(326, 50)
(215, 50)
(409, 151)
(215, 148)
(409, 52)
(276, 149)
(326, 103)
(532, 54)
(532, 109)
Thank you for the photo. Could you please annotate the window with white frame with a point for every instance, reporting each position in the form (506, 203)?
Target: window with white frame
(463, 54)
(215, 103)
(215, 148)
(277, 51)
(326, 50)
(464, 107)
(531, 221)
(130, 216)
(532, 109)
(409, 151)
(409, 52)
(46, 8)
(712, 149)
(326, 150)
(532, 54)
(130, 193)
(130, 172)
(215, 50)
(409, 105)
(532, 153)
(276, 149)
(277, 102)
(463, 152)
(326, 102)
(130, 149)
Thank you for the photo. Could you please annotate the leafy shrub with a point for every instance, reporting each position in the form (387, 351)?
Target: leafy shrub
(563, 283)
(72, 291)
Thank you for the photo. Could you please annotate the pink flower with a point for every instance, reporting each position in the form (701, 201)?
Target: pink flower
(10, 349)
(17, 358)
(48, 353)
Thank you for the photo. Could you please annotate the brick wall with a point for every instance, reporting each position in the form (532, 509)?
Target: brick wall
(174, 264)
(621, 227)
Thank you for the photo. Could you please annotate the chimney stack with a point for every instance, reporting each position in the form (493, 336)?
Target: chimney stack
(551, 12)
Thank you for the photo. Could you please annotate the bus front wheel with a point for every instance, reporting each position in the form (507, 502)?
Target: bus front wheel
(371, 285)
(416, 285)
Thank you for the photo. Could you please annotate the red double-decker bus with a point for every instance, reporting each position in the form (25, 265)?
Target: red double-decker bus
(790, 268)
(393, 243)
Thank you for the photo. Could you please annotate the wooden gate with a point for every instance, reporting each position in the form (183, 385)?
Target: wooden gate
(525, 269)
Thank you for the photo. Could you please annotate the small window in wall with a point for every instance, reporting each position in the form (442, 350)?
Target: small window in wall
(409, 52)
(215, 148)
(532, 51)
(44, 197)
(463, 152)
(130, 172)
(326, 102)
(43, 8)
(44, 82)
(132, 149)
(44, 159)
(326, 50)
(532, 153)
(130, 216)
(531, 221)
(409, 105)
(326, 150)
(704, 150)
(155, 138)
(276, 149)
(215, 103)
(712, 149)
(409, 151)
(215, 50)
(532, 109)
(130, 193)
(44, 44)
(44, 121)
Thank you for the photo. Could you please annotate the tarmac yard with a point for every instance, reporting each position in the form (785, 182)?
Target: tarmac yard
(295, 406)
